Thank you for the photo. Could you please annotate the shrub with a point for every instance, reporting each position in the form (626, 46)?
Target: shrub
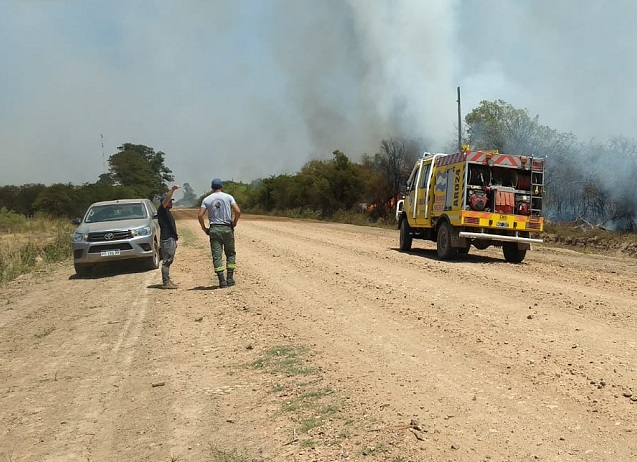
(11, 221)
(26, 243)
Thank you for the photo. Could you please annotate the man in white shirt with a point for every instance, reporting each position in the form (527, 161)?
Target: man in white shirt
(223, 215)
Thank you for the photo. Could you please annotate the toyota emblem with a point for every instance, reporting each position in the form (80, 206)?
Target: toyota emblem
(109, 236)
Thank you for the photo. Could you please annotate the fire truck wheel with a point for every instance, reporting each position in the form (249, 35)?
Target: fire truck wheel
(512, 254)
(443, 241)
(464, 250)
(405, 237)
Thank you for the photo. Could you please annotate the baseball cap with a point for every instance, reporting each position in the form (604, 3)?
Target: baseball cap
(163, 198)
(216, 183)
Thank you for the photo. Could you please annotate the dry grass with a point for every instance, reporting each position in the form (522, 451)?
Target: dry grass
(26, 243)
(590, 238)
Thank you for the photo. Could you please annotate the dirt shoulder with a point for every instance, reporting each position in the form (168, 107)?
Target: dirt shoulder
(333, 345)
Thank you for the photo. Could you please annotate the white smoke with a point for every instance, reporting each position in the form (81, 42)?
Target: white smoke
(408, 48)
(246, 89)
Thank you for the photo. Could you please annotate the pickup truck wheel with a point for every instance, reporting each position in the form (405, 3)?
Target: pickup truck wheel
(405, 236)
(443, 242)
(152, 263)
(512, 254)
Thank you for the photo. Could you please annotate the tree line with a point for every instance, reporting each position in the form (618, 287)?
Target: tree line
(134, 171)
(590, 180)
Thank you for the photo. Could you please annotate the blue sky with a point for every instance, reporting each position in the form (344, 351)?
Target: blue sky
(242, 89)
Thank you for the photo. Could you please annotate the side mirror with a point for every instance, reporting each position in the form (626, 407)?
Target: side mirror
(76, 221)
(404, 189)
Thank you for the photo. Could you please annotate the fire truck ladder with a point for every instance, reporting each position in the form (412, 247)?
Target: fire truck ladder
(537, 188)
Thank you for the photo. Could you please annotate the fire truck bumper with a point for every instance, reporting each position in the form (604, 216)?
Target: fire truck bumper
(499, 237)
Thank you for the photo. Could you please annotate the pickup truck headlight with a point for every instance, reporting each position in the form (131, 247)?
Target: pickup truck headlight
(143, 231)
(80, 237)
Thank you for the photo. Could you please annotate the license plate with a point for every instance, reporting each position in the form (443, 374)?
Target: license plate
(109, 253)
(502, 224)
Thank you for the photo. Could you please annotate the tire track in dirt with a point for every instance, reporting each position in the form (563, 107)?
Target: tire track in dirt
(318, 263)
(514, 362)
(117, 392)
(490, 268)
(74, 361)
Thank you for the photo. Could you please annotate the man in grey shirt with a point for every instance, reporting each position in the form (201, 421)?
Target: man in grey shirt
(223, 215)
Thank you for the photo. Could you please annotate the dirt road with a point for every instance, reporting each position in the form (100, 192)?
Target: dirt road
(332, 346)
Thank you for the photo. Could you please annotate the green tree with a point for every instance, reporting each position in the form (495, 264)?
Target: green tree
(375, 184)
(316, 192)
(330, 185)
(387, 171)
(9, 198)
(243, 193)
(189, 197)
(106, 179)
(498, 125)
(141, 168)
(263, 196)
(279, 192)
(58, 200)
(345, 181)
(27, 194)
(240, 191)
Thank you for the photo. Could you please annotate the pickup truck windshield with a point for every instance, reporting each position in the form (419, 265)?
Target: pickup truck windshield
(114, 212)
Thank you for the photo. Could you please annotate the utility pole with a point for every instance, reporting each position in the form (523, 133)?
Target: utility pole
(103, 159)
(459, 124)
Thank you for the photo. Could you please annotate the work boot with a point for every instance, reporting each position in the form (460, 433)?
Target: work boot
(222, 279)
(230, 278)
(168, 285)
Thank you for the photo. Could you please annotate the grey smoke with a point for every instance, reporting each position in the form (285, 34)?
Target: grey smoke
(248, 88)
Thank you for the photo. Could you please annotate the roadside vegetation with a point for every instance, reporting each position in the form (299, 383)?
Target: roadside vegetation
(588, 238)
(305, 404)
(28, 243)
(590, 180)
(588, 183)
(305, 400)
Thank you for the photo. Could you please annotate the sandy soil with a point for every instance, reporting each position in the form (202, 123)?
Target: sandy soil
(332, 346)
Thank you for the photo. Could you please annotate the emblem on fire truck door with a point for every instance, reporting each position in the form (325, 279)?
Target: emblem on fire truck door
(441, 182)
